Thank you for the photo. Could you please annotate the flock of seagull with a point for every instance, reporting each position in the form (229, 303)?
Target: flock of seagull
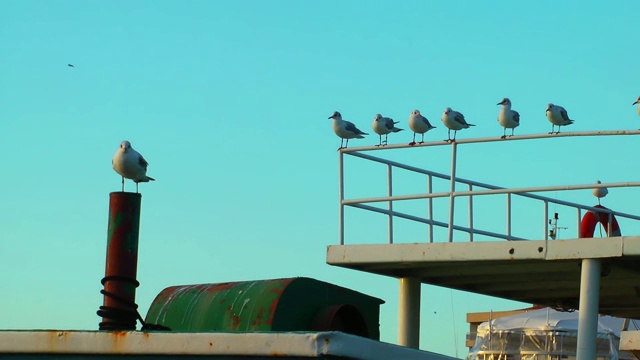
(453, 120)
(130, 164)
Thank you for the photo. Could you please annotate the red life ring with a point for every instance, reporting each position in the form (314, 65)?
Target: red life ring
(591, 219)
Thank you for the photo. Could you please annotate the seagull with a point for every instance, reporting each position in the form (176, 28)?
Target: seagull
(130, 164)
(419, 124)
(70, 65)
(600, 192)
(508, 118)
(637, 102)
(345, 129)
(454, 121)
(384, 126)
(557, 115)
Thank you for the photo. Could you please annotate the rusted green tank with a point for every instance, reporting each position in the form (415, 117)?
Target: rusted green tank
(292, 304)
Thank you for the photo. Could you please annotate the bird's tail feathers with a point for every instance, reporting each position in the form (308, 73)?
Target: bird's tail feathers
(471, 124)
(396, 129)
(150, 178)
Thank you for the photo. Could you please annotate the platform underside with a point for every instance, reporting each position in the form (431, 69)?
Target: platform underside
(536, 272)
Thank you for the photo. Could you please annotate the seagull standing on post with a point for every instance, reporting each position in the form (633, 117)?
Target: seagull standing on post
(509, 119)
(419, 125)
(130, 164)
(345, 130)
(454, 121)
(384, 126)
(557, 115)
(600, 192)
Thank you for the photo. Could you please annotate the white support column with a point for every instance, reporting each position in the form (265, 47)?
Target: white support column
(588, 317)
(409, 312)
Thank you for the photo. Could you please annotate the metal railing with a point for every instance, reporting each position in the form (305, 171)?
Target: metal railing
(452, 194)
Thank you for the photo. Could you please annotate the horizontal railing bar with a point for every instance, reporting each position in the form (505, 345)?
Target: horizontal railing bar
(463, 181)
(496, 138)
(508, 191)
(433, 222)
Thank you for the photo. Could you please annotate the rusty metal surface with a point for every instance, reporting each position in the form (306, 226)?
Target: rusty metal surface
(291, 304)
(122, 258)
(535, 272)
(333, 345)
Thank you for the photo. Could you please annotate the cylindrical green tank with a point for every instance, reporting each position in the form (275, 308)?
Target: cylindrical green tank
(292, 304)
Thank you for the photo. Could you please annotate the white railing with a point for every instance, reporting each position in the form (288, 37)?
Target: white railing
(452, 194)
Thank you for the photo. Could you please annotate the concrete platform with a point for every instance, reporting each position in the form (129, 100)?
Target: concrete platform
(536, 272)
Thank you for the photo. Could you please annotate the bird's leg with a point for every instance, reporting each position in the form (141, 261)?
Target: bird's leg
(137, 187)
(346, 144)
(414, 140)
(448, 136)
(380, 142)
(422, 141)
(504, 134)
(552, 126)
(512, 129)
(123, 184)
(341, 141)
(455, 132)
(386, 140)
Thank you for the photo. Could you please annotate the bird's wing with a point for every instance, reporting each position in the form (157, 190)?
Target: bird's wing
(564, 114)
(142, 162)
(425, 121)
(459, 118)
(388, 123)
(350, 127)
(516, 116)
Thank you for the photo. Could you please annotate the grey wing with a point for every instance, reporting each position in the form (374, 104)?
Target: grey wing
(516, 116)
(142, 162)
(564, 114)
(424, 120)
(352, 128)
(388, 123)
(459, 118)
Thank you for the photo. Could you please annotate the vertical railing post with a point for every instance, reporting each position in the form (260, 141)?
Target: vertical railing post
(341, 194)
(470, 214)
(609, 223)
(588, 309)
(579, 225)
(430, 206)
(546, 220)
(452, 190)
(390, 207)
(508, 216)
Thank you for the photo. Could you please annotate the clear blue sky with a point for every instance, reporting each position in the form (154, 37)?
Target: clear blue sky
(228, 101)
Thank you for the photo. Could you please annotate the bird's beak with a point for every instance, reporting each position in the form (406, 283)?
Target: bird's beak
(637, 101)
(500, 103)
(330, 117)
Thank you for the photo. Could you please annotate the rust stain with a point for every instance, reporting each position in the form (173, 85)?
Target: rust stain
(327, 341)
(278, 354)
(235, 319)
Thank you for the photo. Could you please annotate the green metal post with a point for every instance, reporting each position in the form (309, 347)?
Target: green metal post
(119, 311)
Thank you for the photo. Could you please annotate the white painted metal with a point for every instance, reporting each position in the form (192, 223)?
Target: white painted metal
(409, 312)
(588, 317)
(341, 195)
(546, 220)
(430, 206)
(390, 203)
(493, 139)
(508, 216)
(470, 214)
(452, 190)
(211, 345)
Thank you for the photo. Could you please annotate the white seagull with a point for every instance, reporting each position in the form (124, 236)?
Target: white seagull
(345, 129)
(454, 121)
(384, 126)
(130, 164)
(418, 124)
(600, 192)
(557, 115)
(509, 119)
(637, 102)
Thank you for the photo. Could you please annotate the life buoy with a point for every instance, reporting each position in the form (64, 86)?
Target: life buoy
(591, 219)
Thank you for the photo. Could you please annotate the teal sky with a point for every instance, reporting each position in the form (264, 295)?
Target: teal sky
(228, 102)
